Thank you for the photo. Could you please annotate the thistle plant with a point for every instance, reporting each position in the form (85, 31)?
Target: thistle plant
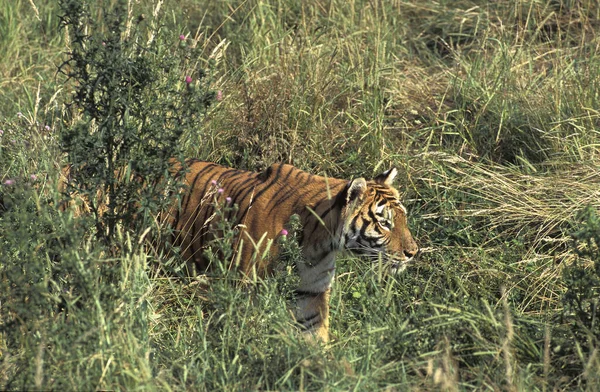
(133, 100)
(582, 298)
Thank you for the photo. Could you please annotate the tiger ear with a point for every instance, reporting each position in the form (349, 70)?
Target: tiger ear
(356, 190)
(387, 177)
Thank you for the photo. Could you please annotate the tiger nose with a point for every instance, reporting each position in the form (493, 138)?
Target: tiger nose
(412, 252)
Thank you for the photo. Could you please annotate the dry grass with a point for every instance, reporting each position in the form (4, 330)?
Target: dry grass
(491, 111)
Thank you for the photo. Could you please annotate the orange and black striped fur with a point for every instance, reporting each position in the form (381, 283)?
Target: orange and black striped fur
(363, 216)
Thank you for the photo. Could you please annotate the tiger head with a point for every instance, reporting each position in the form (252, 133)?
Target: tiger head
(375, 222)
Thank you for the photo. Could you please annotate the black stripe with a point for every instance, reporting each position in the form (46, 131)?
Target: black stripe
(196, 214)
(382, 202)
(198, 175)
(282, 199)
(189, 198)
(332, 207)
(321, 256)
(176, 217)
(183, 199)
(298, 174)
(246, 187)
(373, 241)
(316, 224)
(265, 174)
(311, 320)
(243, 215)
(303, 294)
(347, 238)
(271, 183)
(372, 216)
(265, 187)
(236, 177)
(240, 186)
(185, 202)
(363, 231)
(305, 180)
(207, 184)
(185, 166)
(191, 161)
(353, 223)
(315, 320)
(311, 219)
(338, 202)
(227, 175)
(246, 192)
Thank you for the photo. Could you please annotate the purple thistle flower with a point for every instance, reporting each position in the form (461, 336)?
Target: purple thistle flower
(33, 177)
(283, 232)
(47, 127)
(188, 79)
(214, 182)
(219, 96)
(9, 182)
(228, 199)
(182, 37)
(220, 191)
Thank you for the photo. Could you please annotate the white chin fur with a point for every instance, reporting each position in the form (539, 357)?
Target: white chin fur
(399, 266)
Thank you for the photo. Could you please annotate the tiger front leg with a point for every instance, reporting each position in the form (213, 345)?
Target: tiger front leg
(313, 314)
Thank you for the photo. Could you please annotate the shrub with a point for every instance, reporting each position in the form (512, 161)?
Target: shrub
(136, 94)
(582, 298)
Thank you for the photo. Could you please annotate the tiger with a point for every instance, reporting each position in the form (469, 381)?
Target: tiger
(363, 216)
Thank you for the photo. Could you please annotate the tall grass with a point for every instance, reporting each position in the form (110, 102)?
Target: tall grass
(490, 110)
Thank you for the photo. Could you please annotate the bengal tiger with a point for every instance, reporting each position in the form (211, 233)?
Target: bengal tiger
(365, 217)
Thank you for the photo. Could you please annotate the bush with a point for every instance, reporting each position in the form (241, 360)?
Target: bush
(136, 94)
(582, 297)
(63, 301)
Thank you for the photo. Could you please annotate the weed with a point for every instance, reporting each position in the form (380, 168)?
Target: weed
(136, 104)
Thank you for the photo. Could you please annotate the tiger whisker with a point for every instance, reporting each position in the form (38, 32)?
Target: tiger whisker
(375, 254)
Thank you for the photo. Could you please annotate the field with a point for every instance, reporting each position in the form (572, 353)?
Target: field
(490, 111)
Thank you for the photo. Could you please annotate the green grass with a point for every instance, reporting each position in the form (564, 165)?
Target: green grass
(489, 110)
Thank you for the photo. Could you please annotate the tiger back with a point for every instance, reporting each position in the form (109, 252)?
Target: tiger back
(365, 217)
